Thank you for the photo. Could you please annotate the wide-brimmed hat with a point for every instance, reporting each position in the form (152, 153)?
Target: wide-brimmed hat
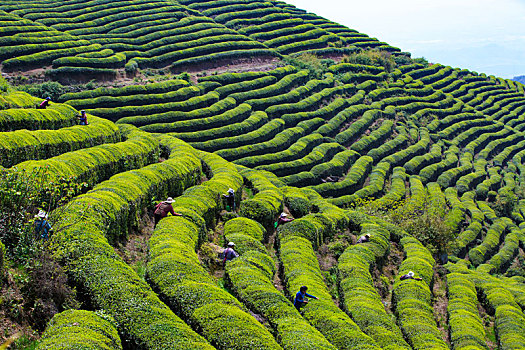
(411, 273)
(48, 98)
(169, 200)
(368, 235)
(284, 214)
(231, 244)
(231, 190)
(42, 214)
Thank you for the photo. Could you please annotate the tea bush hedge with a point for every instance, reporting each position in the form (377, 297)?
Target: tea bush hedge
(359, 297)
(80, 329)
(21, 145)
(105, 213)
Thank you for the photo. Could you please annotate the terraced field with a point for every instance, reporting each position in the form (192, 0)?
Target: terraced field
(339, 148)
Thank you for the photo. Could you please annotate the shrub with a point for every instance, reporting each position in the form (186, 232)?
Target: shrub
(80, 329)
(81, 244)
(360, 298)
(51, 89)
(466, 327)
(3, 263)
(190, 290)
(21, 145)
(47, 291)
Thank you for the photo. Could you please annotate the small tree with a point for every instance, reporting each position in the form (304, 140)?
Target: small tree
(22, 194)
(372, 58)
(419, 217)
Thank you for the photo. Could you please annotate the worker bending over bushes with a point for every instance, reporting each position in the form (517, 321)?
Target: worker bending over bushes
(163, 208)
(300, 298)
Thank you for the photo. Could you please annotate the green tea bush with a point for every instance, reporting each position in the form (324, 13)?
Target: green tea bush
(359, 297)
(21, 145)
(99, 163)
(55, 117)
(153, 88)
(185, 106)
(81, 329)
(106, 213)
(267, 203)
(251, 279)
(169, 117)
(251, 143)
(320, 154)
(466, 238)
(283, 139)
(479, 254)
(176, 95)
(300, 148)
(296, 254)
(175, 269)
(352, 180)
(412, 299)
(251, 123)
(3, 263)
(388, 148)
(466, 327)
(327, 112)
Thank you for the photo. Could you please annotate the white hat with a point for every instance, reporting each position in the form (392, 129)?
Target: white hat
(231, 244)
(283, 214)
(411, 273)
(42, 214)
(368, 235)
(231, 190)
(169, 200)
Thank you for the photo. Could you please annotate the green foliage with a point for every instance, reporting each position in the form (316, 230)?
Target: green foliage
(47, 89)
(466, 327)
(413, 299)
(505, 203)
(312, 63)
(46, 291)
(22, 194)
(175, 270)
(3, 263)
(372, 58)
(4, 86)
(81, 243)
(360, 298)
(263, 208)
(21, 145)
(81, 329)
(420, 217)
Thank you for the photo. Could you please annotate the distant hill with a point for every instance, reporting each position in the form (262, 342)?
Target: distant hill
(519, 79)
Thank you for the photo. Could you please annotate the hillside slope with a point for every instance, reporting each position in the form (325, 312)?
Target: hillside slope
(341, 131)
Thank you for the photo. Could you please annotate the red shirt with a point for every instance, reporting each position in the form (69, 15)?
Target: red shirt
(163, 209)
(283, 219)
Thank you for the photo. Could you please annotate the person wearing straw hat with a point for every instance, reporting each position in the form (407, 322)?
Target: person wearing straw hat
(283, 218)
(364, 239)
(83, 118)
(230, 253)
(42, 226)
(230, 200)
(410, 276)
(163, 208)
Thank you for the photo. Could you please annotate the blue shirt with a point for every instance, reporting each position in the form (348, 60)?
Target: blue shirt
(299, 298)
(42, 227)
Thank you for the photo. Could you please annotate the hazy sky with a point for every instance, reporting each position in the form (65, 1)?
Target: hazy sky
(481, 35)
